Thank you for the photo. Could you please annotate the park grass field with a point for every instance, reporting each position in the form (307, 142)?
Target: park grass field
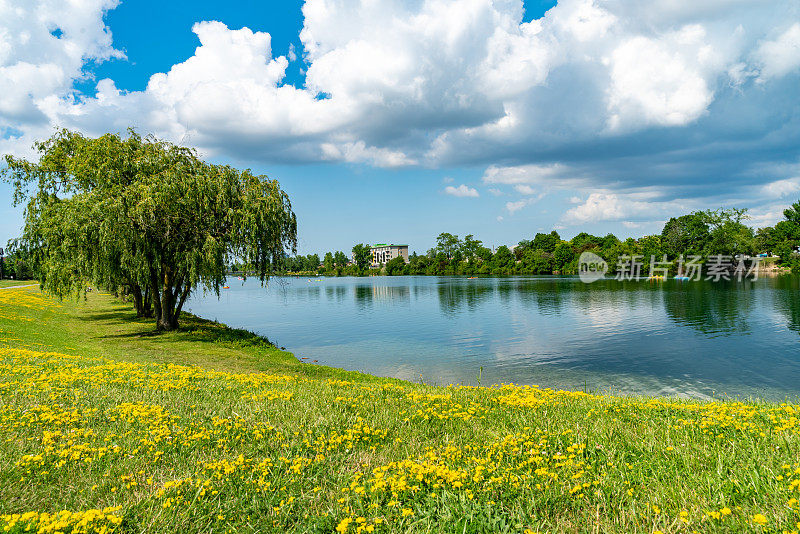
(109, 426)
(15, 283)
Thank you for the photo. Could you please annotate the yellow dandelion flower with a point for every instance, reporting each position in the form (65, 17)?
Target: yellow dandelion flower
(343, 524)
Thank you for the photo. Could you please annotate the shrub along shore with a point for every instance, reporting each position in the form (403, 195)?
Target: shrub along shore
(109, 425)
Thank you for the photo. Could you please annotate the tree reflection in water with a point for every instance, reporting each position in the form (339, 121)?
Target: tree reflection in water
(710, 307)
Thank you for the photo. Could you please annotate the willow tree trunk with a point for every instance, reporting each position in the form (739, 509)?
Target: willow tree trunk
(147, 303)
(168, 299)
(168, 319)
(138, 301)
(141, 301)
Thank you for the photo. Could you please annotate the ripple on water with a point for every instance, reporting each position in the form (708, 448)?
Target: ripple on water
(697, 339)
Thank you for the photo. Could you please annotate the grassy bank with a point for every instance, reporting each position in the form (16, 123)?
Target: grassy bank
(15, 283)
(107, 425)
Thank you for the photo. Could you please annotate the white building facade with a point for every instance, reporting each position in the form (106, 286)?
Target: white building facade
(382, 253)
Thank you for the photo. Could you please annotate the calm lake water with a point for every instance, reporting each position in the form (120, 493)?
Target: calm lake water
(697, 339)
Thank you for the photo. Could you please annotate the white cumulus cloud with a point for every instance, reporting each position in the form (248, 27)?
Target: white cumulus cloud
(44, 46)
(662, 80)
(781, 188)
(780, 56)
(525, 174)
(626, 208)
(525, 189)
(461, 191)
(516, 205)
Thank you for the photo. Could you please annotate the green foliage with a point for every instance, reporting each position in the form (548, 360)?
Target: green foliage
(503, 261)
(471, 248)
(766, 240)
(144, 217)
(727, 234)
(563, 257)
(584, 241)
(522, 247)
(17, 263)
(784, 239)
(546, 242)
(328, 263)
(362, 257)
(792, 215)
(688, 235)
(448, 244)
(396, 266)
(340, 259)
(537, 261)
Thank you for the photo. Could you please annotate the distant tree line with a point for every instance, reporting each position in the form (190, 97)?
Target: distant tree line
(701, 233)
(16, 263)
(332, 264)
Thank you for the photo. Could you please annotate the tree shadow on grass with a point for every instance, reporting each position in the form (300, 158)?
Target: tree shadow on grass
(139, 334)
(106, 316)
(192, 328)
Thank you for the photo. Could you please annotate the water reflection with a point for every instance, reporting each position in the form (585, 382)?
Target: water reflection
(721, 308)
(363, 296)
(697, 339)
(546, 294)
(787, 300)
(309, 293)
(366, 295)
(457, 295)
(335, 293)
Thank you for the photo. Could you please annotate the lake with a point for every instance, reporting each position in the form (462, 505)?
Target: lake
(695, 339)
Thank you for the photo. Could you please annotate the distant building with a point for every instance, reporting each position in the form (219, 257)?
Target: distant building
(382, 253)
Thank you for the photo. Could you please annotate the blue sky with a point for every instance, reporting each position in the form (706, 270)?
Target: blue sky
(393, 121)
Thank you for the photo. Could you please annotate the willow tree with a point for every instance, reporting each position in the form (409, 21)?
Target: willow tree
(145, 216)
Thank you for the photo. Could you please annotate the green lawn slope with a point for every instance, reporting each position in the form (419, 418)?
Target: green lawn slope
(106, 425)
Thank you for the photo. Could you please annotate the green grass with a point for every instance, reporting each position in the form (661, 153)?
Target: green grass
(214, 429)
(14, 283)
